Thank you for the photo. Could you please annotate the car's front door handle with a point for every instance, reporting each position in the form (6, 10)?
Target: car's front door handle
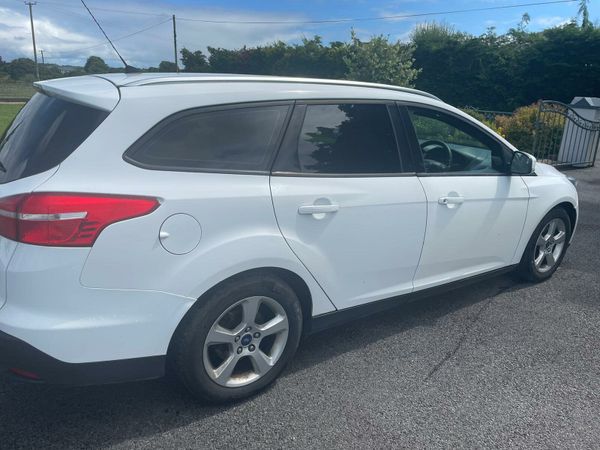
(451, 200)
(318, 209)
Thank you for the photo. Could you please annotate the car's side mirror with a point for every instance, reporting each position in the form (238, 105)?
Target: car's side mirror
(522, 163)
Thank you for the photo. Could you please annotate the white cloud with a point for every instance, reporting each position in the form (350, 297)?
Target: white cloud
(550, 21)
(65, 33)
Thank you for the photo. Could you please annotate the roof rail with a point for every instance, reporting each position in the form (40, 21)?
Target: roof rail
(153, 79)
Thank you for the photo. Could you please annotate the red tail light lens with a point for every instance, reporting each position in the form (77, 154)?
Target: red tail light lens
(67, 220)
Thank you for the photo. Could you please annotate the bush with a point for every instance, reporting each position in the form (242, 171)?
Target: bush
(519, 129)
(481, 117)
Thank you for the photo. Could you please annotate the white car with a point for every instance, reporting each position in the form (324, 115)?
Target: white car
(201, 224)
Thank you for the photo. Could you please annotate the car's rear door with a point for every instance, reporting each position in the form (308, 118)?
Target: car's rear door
(475, 208)
(345, 204)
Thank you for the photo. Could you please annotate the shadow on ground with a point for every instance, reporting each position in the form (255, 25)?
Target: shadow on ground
(105, 415)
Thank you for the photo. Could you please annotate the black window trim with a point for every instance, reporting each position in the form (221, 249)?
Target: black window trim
(294, 129)
(129, 154)
(418, 156)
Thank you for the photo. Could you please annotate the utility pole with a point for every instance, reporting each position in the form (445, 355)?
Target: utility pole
(175, 43)
(37, 69)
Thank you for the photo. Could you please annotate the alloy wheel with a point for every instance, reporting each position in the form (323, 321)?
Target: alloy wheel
(550, 245)
(246, 341)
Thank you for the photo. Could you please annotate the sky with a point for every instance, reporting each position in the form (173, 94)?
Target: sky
(67, 35)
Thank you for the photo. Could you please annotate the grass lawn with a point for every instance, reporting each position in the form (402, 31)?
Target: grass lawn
(16, 89)
(7, 112)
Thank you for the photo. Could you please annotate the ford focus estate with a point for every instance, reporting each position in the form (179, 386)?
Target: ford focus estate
(199, 225)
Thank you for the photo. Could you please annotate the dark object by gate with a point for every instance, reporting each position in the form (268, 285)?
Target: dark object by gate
(564, 138)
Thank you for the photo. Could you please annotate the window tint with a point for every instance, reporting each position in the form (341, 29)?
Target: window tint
(43, 134)
(343, 139)
(228, 139)
(449, 144)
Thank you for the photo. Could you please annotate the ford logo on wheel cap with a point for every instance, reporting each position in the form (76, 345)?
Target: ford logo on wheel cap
(246, 339)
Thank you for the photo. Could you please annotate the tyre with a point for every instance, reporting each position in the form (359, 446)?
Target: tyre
(547, 247)
(237, 339)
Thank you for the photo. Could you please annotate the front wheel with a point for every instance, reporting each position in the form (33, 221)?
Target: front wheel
(239, 339)
(547, 246)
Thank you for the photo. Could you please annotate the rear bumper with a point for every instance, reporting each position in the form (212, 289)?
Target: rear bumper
(49, 309)
(20, 357)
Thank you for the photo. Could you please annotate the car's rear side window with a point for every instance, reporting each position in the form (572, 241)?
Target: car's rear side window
(227, 139)
(43, 134)
(342, 139)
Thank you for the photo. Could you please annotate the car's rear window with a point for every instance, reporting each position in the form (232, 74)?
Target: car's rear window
(43, 134)
(241, 138)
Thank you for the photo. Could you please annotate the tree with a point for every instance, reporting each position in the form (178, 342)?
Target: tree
(21, 68)
(48, 71)
(95, 64)
(380, 61)
(167, 66)
(584, 13)
(525, 19)
(194, 61)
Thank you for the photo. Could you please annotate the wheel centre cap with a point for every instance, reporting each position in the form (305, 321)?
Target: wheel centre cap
(246, 339)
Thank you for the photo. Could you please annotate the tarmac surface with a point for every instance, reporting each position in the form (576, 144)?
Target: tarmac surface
(497, 364)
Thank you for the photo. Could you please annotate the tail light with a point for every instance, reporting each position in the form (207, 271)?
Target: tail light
(65, 219)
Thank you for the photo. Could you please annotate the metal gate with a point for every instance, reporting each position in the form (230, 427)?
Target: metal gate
(563, 138)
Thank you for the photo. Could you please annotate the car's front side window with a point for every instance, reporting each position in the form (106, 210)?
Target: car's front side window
(449, 144)
(342, 139)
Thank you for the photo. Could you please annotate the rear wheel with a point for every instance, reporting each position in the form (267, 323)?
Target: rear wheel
(547, 246)
(239, 339)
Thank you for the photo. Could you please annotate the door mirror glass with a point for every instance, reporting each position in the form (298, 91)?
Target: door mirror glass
(521, 163)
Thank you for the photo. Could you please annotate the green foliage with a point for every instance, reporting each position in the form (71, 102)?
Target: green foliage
(519, 128)
(309, 59)
(167, 66)
(194, 61)
(21, 69)
(490, 71)
(584, 13)
(377, 60)
(481, 117)
(380, 61)
(95, 64)
(48, 71)
(502, 72)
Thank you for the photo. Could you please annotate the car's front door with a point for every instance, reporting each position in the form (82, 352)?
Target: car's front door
(475, 208)
(345, 205)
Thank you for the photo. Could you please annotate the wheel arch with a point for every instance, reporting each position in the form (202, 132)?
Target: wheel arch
(295, 281)
(571, 211)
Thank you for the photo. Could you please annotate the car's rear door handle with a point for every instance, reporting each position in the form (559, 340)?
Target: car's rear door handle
(318, 209)
(451, 200)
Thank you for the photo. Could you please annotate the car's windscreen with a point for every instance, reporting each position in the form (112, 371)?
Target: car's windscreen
(43, 134)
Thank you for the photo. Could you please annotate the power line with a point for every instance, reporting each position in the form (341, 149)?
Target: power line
(123, 11)
(370, 19)
(101, 44)
(106, 36)
(328, 20)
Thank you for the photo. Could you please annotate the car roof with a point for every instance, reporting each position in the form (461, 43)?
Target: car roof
(105, 90)
(146, 79)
